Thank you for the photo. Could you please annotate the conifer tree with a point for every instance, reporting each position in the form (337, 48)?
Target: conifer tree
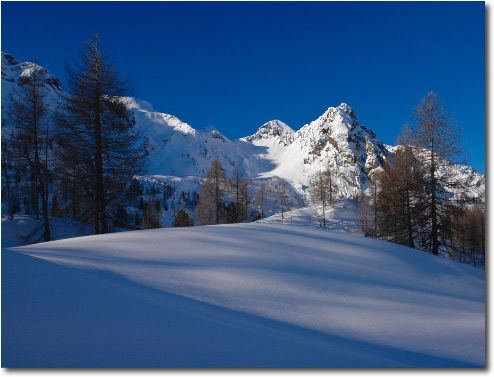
(322, 190)
(182, 219)
(436, 132)
(211, 203)
(401, 198)
(261, 197)
(28, 114)
(245, 199)
(100, 148)
(283, 196)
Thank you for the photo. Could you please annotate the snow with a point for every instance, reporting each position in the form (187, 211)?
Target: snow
(340, 217)
(14, 230)
(257, 295)
(280, 292)
(334, 141)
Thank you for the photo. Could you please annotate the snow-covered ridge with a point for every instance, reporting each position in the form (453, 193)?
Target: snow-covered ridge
(13, 69)
(335, 141)
(271, 129)
(451, 173)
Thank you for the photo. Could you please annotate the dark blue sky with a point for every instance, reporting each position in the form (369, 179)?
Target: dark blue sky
(238, 65)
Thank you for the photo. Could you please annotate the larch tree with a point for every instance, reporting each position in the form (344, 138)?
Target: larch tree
(401, 197)
(245, 198)
(237, 183)
(100, 149)
(322, 190)
(211, 203)
(436, 132)
(261, 197)
(283, 196)
(28, 114)
(7, 171)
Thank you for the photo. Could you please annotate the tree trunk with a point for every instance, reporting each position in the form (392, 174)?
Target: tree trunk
(434, 233)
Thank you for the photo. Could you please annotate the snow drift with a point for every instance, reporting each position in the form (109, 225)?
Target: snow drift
(244, 295)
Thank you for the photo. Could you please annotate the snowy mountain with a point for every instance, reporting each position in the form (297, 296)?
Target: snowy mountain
(335, 141)
(178, 149)
(13, 70)
(451, 173)
(273, 128)
(279, 292)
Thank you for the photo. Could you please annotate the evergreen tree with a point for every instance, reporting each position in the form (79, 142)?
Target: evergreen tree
(182, 219)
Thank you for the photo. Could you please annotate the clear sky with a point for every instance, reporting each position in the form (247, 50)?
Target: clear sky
(237, 65)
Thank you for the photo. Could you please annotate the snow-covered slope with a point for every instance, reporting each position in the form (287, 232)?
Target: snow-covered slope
(335, 141)
(273, 128)
(178, 149)
(13, 70)
(239, 295)
(451, 174)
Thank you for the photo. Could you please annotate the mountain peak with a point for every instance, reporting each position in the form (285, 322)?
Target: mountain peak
(8, 59)
(348, 110)
(345, 107)
(279, 125)
(272, 128)
(13, 69)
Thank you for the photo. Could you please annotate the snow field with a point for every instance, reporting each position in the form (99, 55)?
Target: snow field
(366, 294)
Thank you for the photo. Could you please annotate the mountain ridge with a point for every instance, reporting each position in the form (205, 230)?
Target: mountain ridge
(335, 141)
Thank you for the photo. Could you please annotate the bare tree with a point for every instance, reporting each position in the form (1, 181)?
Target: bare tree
(245, 199)
(261, 197)
(272, 186)
(322, 190)
(283, 196)
(7, 167)
(28, 114)
(436, 131)
(211, 204)
(237, 211)
(99, 147)
(236, 182)
(402, 194)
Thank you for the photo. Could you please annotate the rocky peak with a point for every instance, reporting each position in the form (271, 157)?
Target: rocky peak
(348, 110)
(13, 70)
(272, 128)
(9, 60)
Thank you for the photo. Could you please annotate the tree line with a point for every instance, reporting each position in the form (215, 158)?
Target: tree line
(75, 154)
(234, 199)
(79, 158)
(416, 203)
(83, 153)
